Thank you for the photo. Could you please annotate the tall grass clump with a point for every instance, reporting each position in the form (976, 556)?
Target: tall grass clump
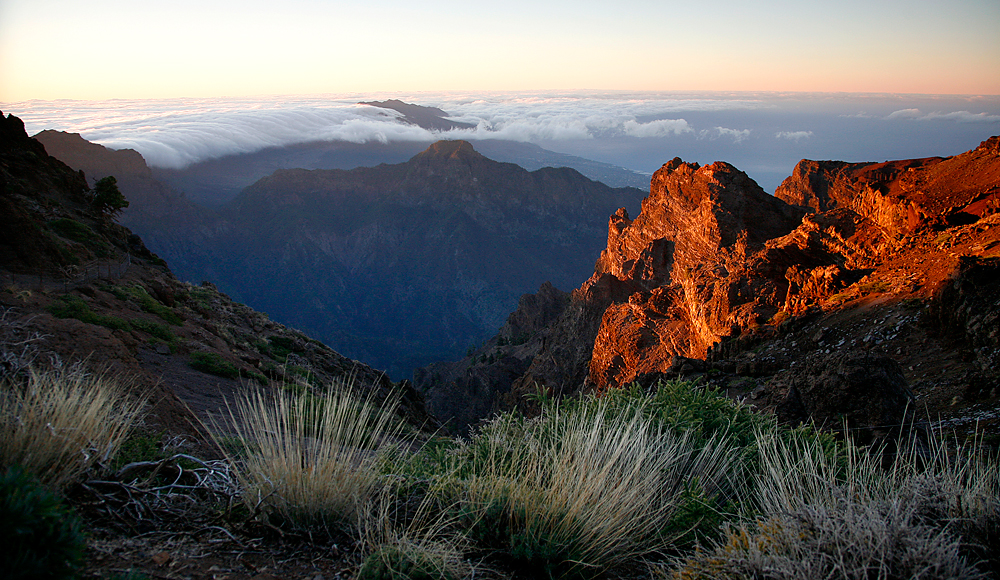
(311, 461)
(577, 491)
(933, 512)
(407, 542)
(57, 424)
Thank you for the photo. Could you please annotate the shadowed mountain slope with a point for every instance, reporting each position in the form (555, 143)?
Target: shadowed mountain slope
(398, 265)
(78, 288)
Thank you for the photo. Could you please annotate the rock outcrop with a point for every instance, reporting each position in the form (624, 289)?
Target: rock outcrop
(855, 390)
(715, 270)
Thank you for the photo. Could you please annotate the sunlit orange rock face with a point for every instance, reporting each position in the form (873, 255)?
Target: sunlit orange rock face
(712, 256)
(901, 196)
(681, 262)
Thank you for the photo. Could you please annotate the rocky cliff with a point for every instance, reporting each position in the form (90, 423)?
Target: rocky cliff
(713, 272)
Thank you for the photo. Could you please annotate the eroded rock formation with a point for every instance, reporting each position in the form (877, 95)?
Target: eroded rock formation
(714, 268)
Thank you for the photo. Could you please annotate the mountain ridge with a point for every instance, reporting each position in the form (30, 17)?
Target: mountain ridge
(380, 224)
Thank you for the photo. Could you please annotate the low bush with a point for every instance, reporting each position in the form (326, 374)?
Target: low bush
(60, 424)
(154, 329)
(69, 306)
(396, 562)
(933, 513)
(74, 230)
(213, 364)
(410, 538)
(39, 537)
(850, 540)
(149, 304)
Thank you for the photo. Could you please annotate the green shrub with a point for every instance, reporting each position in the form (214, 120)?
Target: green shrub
(213, 364)
(69, 306)
(585, 487)
(148, 304)
(142, 447)
(685, 407)
(82, 234)
(75, 307)
(391, 562)
(39, 537)
(154, 329)
(279, 347)
(73, 230)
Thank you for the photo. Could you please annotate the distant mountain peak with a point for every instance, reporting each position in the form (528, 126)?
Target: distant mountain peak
(430, 118)
(456, 150)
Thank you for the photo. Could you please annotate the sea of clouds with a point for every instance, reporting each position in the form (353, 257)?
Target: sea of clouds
(763, 134)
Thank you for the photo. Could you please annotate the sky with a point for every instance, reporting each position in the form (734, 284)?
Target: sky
(124, 49)
(632, 82)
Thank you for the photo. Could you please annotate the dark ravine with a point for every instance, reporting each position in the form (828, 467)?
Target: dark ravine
(398, 265)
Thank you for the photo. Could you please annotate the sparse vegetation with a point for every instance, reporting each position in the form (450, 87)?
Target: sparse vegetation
(934, 513)
(875, 286)
(82, 234)
(69, 306)
(148, 304)
(57, 425)
(154, 329)
(213, 364)
(675, 476)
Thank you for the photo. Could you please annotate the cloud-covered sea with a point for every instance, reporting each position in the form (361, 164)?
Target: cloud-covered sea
(764, 134)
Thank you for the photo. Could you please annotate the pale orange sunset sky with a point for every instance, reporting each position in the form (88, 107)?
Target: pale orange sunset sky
(103, 49)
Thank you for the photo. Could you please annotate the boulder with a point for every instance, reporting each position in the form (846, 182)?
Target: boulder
(861, 392)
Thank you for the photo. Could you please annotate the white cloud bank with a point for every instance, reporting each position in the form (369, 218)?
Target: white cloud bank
(737, 135)
(918, 115)
(178, 132)
(793, 135)
(635, 130)
(660, 128)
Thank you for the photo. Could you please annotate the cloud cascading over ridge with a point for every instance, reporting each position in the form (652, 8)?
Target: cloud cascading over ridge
(763, 133)
(175, 133)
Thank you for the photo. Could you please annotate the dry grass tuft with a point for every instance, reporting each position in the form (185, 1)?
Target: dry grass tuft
(932, 514)
(311, 460)
(424, 544)
(586, 491)
(59, 424)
